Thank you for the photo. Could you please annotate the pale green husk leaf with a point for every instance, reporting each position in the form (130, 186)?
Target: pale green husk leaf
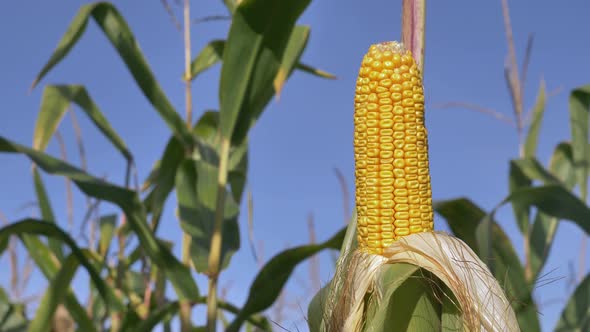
(483, 305)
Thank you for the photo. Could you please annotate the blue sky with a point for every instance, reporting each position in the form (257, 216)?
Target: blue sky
(307, 133)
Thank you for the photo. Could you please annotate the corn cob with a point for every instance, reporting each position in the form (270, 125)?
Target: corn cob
(393, 195)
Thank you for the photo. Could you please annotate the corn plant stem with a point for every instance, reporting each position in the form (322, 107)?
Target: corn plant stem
(69, 194)
(216, 239)
(185, 306)
(515, 85)
(528, 269)
(115, 317)
(584, 241)
(187, 63)
(413, 24)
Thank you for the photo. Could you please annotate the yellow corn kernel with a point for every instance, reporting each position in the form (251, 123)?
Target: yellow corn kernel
(389, 132)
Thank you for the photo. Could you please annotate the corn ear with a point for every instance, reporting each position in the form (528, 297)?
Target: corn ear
(393, 194)
(394, 221)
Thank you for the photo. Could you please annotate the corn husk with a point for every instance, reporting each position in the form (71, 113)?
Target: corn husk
(480, 299)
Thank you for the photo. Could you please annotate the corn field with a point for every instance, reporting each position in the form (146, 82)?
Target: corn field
(405, 259)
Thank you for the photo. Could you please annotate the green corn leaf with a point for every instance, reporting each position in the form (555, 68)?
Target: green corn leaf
(408, 302)
(209, 56)
(54, 104)
(162, 180)
(483, 234)
(521, 213)
(315, 71)
(544, 227)
(115, 28)
(576, 314)
(162, 177)
(315, 311)
(533, 170)
(54, 295)
(128, 201)
(391, 278)
(532, 137)
(255, 45)
(207, 129)
(107, 225)
(562, 166)
(212, 53)
(295, 47)
(270, 280)
(464, 218)
(560, 172)
(196, 189)
(579, 108)
(46, 211)
(556, 201)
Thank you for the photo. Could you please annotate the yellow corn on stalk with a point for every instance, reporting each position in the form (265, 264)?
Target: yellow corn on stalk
(393, 196)
(394, 214)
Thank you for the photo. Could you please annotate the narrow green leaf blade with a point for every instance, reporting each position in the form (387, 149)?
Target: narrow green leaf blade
(107, 226)
(315, 310)
(579, 117)
(55, 102)
(315, 71)
(53, 108)
(46, 211)
(162, 179)
(209, 56)
(119, 34)
(295, 46)
(532, 137)
(576, 314)
(270, 280)
(544, 226)
(517, 179)
(533, 170)
(256, 43)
